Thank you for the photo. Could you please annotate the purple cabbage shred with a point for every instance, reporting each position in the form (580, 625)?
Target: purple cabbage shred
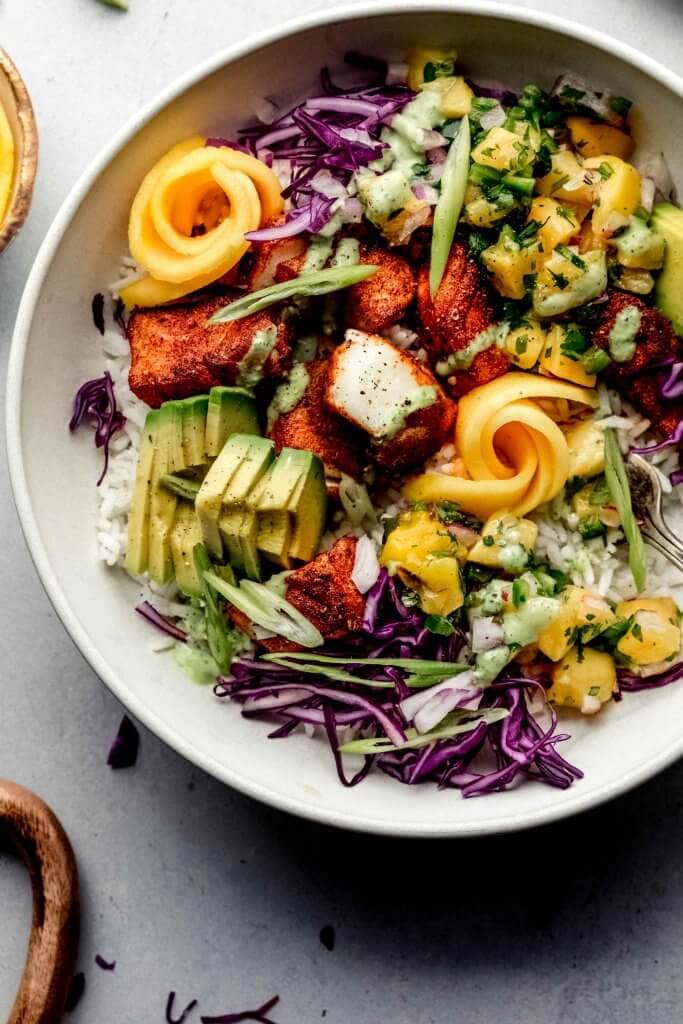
(106, 965)
(124, 749)
(489, 758)
(170, 1019)
(149, 612)
(629, 682)
(95, 400)
(244, 1015)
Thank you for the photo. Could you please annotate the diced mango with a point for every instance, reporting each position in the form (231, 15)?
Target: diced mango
(426, 556)
(584, 679)
(592, 138)
(565, 181)
(479, 211)
(420, 58)
(500, 149)
(509, 263)
(505, 542)
(583, 615)
(554, 363)
(566, 281)
(617, 192)
(524, 344)
(654, 634)
(455, 95)
(640, 282)
(586, 443)
(560, 223)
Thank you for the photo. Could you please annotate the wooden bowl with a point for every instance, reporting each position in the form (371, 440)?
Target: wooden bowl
(16, 103)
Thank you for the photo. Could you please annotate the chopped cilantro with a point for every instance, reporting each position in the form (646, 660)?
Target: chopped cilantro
(440, 625)
(476, 244)
(566, 214)
(488, 541)
(620, 105)
(605, 170)
(637, 631)
(595, 360)
(565, 251)
(560, 280)
(521, 344)
(568, 93)
(574, 343)
(528, 234)
(594, 691)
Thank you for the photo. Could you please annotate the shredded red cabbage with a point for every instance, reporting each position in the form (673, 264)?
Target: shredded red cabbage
(517, 746)
(218, 142)
(95, 400)
(170, 1019)
(106, 965)
(629, 682)
(673, 439)
(149, 612)
(338, 131)
(124, 749)
(258, 1014)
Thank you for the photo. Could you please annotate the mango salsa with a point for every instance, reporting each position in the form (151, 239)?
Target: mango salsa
(422, 552)
(593, 138)
(654, 634)
(584, 679)
(505, 542)
(586, 443)
(583, 615)
(617, 192)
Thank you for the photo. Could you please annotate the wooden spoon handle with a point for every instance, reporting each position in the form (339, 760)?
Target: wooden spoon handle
(42, 843)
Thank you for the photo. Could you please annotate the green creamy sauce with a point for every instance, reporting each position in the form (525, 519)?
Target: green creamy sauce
(250, 368)
(347, 253)
(588, 285)
(490, 663)
(490, 597)
(622, 337)
(319, 250)
(405, 136)
(288, 395)
(523, 626)
(306, 349)
(384, 195)
(640, 245)
(464, 357)
(421, 398)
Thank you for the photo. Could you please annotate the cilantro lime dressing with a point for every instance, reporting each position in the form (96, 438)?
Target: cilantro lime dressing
(490, 663)
(622, 337)
(288, 394)
(250, 368)
(640, 245)
(522, 627)
(384, 195)
(318, 253)
(306, 349)
(406, 135)
(490, 597)
(347, 253)
(421, 398)
(591, 282)
(464, 357)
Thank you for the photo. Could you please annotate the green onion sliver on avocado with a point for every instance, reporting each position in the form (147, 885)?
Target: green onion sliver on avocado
(449, 206)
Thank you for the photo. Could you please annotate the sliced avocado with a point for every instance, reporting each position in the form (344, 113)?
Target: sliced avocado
(274, 536)
(258, 453)
(137, 555)
(162, 502)
(308, 506)
(230, 411)
(194, 412)
(176, 454)
(209, 500)
(238, 528)
(275, 490)
(185, 534)
(668, 221)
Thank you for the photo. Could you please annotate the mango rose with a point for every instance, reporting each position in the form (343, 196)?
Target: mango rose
(190, 215)
(514, 453)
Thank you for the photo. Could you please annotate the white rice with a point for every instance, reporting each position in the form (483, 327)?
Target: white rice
(600, 564)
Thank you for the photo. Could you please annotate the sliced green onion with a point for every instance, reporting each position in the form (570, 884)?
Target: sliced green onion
(617, 481)
(338, 675)
(268, 610)
(180, 486)
(454, 723)
(217, 635)
(449, 206)
(318, 282)
(423, 672)
(120, 5)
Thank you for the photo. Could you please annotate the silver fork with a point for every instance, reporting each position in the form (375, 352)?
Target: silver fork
(646, 498)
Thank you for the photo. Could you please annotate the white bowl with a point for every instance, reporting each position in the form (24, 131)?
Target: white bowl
(53, 473)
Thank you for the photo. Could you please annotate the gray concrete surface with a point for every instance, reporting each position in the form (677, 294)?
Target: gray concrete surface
(189, 886)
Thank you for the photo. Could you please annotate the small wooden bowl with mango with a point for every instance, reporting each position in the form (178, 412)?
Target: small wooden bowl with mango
(18, 150)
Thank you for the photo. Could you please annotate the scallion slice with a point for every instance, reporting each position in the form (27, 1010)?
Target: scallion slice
(617, 481)
(449, 206)
(267, 609)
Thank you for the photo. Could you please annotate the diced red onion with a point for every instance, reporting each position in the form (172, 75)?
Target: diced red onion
(493, 118)
(486, 635)
(366, 566)
(432, 140)
(220, 143)
(437, 155)
(654, 166)
(647, 193)
(341, 105)
(425, 193)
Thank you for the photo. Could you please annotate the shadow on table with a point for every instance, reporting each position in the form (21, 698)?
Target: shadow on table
(474, 898)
